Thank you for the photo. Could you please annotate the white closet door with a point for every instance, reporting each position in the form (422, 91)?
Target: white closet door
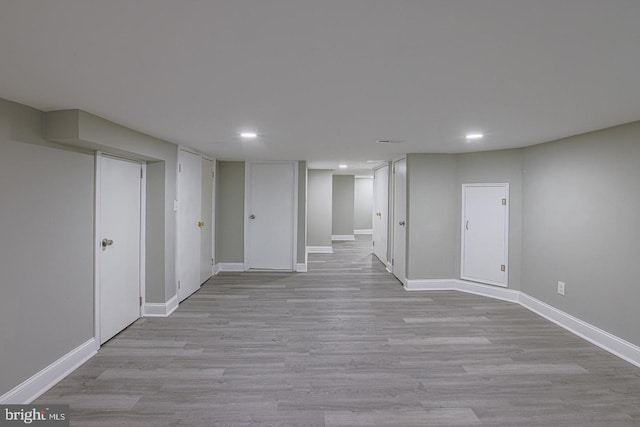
(399, 220)
(380, 212)
(189, 222)
(119, 245)
(485, 233)
(271, 209)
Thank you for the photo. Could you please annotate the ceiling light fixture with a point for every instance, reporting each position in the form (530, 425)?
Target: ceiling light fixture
(474, 136)
(342, 166)
(389, 141)
(248, 135)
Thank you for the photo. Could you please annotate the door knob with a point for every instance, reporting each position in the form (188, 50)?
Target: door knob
(252, 216)
(401, 223)
(106, 242)
(200, 224)
(379, 214)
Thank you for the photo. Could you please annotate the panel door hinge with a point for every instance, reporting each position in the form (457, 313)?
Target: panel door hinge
(212, 262)
(504, 202)
(178, 284)
(503, 267)
(392, 261)
(140, 301)
(374, 243)
(141, 173)
(179, 167)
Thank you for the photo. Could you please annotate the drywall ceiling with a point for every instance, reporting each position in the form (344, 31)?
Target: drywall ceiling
(323, 80)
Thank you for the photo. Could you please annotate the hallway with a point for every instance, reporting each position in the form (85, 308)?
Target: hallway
(345, 345)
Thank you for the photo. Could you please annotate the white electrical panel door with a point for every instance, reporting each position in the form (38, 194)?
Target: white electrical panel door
(485, 233)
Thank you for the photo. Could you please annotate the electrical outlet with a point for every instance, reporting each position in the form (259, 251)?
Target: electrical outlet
(561, 288)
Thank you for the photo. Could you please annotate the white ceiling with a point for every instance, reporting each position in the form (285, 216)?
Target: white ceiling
(322, 80)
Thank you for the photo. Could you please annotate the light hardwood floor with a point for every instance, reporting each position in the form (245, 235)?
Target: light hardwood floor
(345, 345)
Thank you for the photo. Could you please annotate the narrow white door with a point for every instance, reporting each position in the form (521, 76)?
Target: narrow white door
(399, 219)
(485, 233)
(119, 245)
(380, 212)
(206, 246)
(189, 223)
(271, 208)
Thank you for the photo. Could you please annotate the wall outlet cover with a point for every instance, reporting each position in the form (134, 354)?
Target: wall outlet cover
(561, 286)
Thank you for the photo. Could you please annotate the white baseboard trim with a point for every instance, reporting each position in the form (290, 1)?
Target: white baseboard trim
(462, 286)
(38, 384)
(301, 268)
(603, 339)
(229, 266)
(343, 237)
(153, 309)
(319, 249)
(363, 231)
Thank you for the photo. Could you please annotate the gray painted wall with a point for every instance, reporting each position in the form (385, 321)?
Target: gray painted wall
(302, 213)
(580, 226)
(432, 199)
(363, 203)
(230, 212)
(46, 250)
(154, 233)
(319, 202)
(494, 167)
(342, 209)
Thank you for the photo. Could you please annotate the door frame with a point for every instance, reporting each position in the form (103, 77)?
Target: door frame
(247, 203)
(392, 217)
(98, 234)
(385, 261)
(504, 185)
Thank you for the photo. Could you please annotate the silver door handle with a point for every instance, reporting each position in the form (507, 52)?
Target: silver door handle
(401, 223)
(252, 216)
(106, 242)
(466, 225)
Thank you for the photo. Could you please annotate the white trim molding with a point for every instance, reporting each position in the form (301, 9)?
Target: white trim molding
(319, 249)
(229, 266)
(603, 339)
(301, 267)
(153, 309)
(343, 237)
(38, 384)
(364, 231)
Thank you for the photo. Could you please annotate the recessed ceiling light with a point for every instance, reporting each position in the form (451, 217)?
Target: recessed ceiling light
(375, 161)
(474, 136)
(248, 135)
(342, 166)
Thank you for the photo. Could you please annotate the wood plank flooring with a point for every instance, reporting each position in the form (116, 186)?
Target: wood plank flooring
(345, 345)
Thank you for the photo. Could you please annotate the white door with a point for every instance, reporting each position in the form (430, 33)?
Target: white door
(380, 212)
(399, 219)
(119, 245)
(206, 246)
(271, 209)
(189, 223)
(485, 233)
